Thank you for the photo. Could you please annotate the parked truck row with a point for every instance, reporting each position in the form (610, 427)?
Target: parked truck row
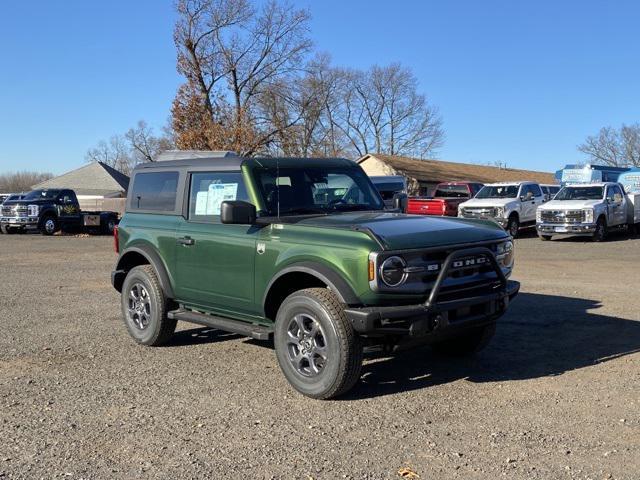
(589, 201)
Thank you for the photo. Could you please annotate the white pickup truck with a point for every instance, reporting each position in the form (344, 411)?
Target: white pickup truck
(590, 209)
(512, 205)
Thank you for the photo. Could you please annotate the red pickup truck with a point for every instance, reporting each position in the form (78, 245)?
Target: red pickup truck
(446, 198)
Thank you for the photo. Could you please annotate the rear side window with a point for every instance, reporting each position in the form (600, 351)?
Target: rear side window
(209, 189)
(155, 191)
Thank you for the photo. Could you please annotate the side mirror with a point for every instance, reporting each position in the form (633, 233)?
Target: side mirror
(237, 212)
(400, 202)
(522, 198)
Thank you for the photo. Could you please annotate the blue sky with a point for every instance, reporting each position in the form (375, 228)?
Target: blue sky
(516, 82)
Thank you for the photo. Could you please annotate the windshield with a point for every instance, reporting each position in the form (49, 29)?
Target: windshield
(389, 189)
(580, 193)
(316, 190)
(450, 191)
(41, 195)
(498, 191)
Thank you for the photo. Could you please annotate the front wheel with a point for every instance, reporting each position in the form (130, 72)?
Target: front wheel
(600, 235)
(49, 226)
(316, 346)
(467, 344)
(144, 307)
(513, 226)
(545, 238)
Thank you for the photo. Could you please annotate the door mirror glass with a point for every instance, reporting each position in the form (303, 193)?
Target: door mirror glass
(237, 212)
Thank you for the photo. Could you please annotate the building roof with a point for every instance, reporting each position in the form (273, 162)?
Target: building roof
(95, 178)
(439, 171)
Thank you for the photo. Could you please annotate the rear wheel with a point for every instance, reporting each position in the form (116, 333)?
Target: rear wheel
(108, 226)
(467, 344)
(513, 226)
(144, 307)
(600, 235)
(317, 349)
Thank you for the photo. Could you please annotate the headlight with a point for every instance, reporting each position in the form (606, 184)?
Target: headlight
(539, 216)
(588, 215)
(460, 212)
(392, 271)
(505, 254)
(33, 210)
(499, 211)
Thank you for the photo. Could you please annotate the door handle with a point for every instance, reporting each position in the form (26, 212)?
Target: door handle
(186, 241)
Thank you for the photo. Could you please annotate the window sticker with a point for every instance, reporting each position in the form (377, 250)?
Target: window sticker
(208, 202)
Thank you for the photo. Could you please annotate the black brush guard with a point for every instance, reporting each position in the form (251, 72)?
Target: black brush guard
(433, 316)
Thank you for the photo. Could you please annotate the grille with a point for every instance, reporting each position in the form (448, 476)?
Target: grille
(562, 216)
(478, 212)
(14, 211)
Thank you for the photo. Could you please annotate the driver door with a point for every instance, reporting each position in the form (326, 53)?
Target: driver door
(615, 206)
(215, 262)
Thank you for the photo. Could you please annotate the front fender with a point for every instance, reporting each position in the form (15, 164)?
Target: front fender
(323, 273)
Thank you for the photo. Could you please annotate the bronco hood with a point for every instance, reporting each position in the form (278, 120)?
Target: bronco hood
(397, 231)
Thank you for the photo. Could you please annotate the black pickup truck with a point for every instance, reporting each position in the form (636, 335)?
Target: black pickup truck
(50, 210)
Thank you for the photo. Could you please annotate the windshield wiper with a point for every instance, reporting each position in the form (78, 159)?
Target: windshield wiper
(304, 210)
(345, 207)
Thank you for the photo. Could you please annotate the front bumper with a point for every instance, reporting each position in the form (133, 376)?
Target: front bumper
(566, 228)
(438, 317)
(19, 221)
(499, 220)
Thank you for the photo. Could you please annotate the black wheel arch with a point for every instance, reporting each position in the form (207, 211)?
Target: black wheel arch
(141, 255)
(303, 275)
(47, 213)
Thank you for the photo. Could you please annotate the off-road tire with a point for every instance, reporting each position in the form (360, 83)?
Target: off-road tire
(600, 235)
(160, 327)
(513, 225)
(545, 238)
(467, 344)
(343, 347)
(49, 225)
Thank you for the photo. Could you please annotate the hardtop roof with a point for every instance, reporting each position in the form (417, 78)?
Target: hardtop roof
(236, 162)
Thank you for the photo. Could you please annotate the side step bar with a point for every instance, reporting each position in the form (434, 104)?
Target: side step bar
(258, 332)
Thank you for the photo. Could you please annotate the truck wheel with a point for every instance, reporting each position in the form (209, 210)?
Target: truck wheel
(108, 226)
(600, 235)
(466, 344)
(144, 307)
(6, 230)
(545, 238)
(317, 349)
(49, 225)
(513, 226)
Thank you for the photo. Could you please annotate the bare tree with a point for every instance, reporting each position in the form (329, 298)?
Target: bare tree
(124, 152)
(15, 182)
(382, 111)
(614, 147)
(231, 53)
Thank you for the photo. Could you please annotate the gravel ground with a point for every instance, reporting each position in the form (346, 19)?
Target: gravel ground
(555, 395)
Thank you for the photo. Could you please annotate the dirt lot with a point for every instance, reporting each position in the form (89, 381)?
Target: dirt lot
(556, 395)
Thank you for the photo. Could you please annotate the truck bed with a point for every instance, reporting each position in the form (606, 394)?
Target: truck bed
(434, 206)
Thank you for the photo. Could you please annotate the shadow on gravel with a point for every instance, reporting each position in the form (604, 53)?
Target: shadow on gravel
(542, 335)
(195, 336)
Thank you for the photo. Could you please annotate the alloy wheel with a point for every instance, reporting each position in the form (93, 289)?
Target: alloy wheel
(139, 306)
(306, 345)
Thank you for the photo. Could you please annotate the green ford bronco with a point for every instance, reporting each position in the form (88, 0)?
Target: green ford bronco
(302, 251)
